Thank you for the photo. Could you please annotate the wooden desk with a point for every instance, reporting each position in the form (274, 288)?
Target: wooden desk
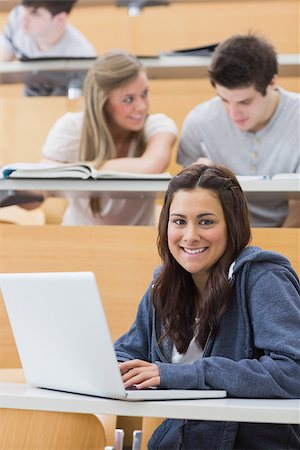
(266, 189)
(23, 396)
(165, 67)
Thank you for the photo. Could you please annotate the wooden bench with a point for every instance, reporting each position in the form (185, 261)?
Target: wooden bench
(24, 125)
(46, 430)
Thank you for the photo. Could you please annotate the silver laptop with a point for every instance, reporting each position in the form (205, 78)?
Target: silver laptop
(63, 338)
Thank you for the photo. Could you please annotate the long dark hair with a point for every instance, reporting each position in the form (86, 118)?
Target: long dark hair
(174, 293)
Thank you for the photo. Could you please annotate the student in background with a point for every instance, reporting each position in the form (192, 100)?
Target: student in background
(39, 29)
(114, 132)
(217, 315)
(252, 126)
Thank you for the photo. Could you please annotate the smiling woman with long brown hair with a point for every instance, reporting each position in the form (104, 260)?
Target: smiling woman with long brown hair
(219, 314)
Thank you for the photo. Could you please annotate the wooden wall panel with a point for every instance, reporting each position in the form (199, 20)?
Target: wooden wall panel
(187, 24)
(24, 125)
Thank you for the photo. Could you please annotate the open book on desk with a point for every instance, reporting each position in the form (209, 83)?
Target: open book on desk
(73, 171)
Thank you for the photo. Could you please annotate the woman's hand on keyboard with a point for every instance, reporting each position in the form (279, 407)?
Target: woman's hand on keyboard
(140, 374)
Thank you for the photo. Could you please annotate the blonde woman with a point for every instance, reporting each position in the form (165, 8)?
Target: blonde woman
(114, 132)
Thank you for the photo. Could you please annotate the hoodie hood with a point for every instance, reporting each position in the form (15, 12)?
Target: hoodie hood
(256, 254)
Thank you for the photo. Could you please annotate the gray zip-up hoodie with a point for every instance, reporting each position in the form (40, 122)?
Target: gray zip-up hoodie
(255, 354)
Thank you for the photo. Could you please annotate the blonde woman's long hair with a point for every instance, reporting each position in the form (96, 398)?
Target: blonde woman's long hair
(110, 71)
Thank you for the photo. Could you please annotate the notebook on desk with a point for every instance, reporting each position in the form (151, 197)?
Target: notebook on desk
(63, 338)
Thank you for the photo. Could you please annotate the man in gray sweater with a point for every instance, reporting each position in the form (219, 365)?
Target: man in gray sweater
(252, 126)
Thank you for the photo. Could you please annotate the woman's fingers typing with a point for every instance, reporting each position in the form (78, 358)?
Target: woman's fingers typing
(140, 374)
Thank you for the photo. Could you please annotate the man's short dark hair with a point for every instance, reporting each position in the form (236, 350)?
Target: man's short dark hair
(53, 6)
(243, 61)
